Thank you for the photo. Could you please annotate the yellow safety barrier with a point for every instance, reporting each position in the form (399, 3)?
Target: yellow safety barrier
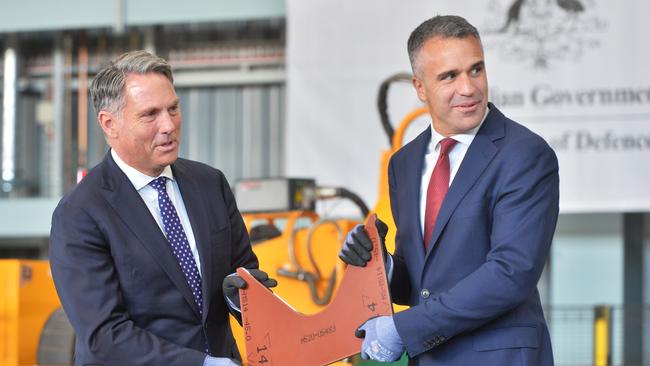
(602, 336)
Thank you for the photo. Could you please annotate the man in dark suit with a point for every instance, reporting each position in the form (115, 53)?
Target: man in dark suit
(475, 201)
(142, 248)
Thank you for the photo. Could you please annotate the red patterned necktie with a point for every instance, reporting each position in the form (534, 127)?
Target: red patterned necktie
(438, 186)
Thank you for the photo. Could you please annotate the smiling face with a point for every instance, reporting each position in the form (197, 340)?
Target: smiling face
(146, 133)
(450, 78)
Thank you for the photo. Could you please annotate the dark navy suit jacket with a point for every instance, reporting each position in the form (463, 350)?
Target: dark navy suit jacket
(119, 282)
(473, 295)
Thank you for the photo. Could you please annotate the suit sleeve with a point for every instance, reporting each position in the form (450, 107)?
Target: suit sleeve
(400, 285)
(523, 222)
(242, 252)
(243, 255)
(88, 286)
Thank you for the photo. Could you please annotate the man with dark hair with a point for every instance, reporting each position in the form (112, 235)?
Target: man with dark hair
(475, 201)
(143, 249)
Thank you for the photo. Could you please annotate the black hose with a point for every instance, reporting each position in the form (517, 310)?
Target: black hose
(323, 193)
(382, 102)
(344, 192)
(311, 280)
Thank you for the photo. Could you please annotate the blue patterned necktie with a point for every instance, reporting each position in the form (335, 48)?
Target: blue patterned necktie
(178, 240)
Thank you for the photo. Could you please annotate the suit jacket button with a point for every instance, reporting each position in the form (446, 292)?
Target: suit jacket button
(425, 293)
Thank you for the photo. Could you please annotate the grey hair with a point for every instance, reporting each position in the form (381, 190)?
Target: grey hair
(107, 88)
(443, 26)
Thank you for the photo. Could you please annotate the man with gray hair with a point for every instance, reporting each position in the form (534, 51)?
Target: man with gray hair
(475, 202)
(143, 248)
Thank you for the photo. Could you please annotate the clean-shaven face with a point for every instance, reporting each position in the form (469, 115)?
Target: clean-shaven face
(450, 78)
(148, 128)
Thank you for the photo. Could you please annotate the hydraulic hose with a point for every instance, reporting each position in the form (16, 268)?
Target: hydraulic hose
(382, 102)
(340, 192)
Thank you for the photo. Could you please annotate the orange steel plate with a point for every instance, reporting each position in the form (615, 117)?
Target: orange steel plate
(277, 335)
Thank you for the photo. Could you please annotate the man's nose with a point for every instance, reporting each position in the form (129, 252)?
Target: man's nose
(466, 85)
(167, 122)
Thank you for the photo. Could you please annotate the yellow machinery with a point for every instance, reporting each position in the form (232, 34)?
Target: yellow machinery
(27, 301)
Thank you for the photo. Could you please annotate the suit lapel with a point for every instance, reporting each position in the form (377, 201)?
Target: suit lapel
(198, 215)
(125, 200)
(412, 163)
(478, 156)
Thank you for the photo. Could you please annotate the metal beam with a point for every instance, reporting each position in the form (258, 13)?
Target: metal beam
(47, 15)
(9, 117)
(225, 78)
(634, 234)
(55, 188)
(27, 217)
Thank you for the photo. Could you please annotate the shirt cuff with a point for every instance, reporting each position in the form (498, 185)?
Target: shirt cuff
(389, 267)
(209, 361)
(230, 303)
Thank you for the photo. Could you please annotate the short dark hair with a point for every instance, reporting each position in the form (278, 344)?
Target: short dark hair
(107, 88)
(443, 26)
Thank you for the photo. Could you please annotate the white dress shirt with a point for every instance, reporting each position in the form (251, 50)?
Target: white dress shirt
(150, 197)
(456, 156)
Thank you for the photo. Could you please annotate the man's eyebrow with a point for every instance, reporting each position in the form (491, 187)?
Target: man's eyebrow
(444, 74)
(478, 64)
(147, 111)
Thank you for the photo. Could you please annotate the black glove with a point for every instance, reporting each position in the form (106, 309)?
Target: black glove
(231, 284)
(358, 247)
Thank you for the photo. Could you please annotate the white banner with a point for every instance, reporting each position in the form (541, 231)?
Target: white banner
(574, 71)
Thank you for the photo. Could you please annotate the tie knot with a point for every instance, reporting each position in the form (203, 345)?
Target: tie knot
(447, 144)
(159, 184)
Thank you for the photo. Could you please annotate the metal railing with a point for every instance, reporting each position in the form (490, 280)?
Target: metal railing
(583, 335)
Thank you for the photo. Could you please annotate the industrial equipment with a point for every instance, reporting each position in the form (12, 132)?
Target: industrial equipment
(33, 327)
(275, 195)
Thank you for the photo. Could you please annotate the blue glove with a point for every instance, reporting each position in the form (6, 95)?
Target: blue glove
(219, 361)
(381, 341)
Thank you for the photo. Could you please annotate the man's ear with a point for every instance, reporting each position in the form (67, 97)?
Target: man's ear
(108, 123)
(419, 89)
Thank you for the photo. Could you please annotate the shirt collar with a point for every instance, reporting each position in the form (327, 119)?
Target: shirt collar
(464, 138)
(137, 178)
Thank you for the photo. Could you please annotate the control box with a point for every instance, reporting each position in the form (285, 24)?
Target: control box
(275, 194)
